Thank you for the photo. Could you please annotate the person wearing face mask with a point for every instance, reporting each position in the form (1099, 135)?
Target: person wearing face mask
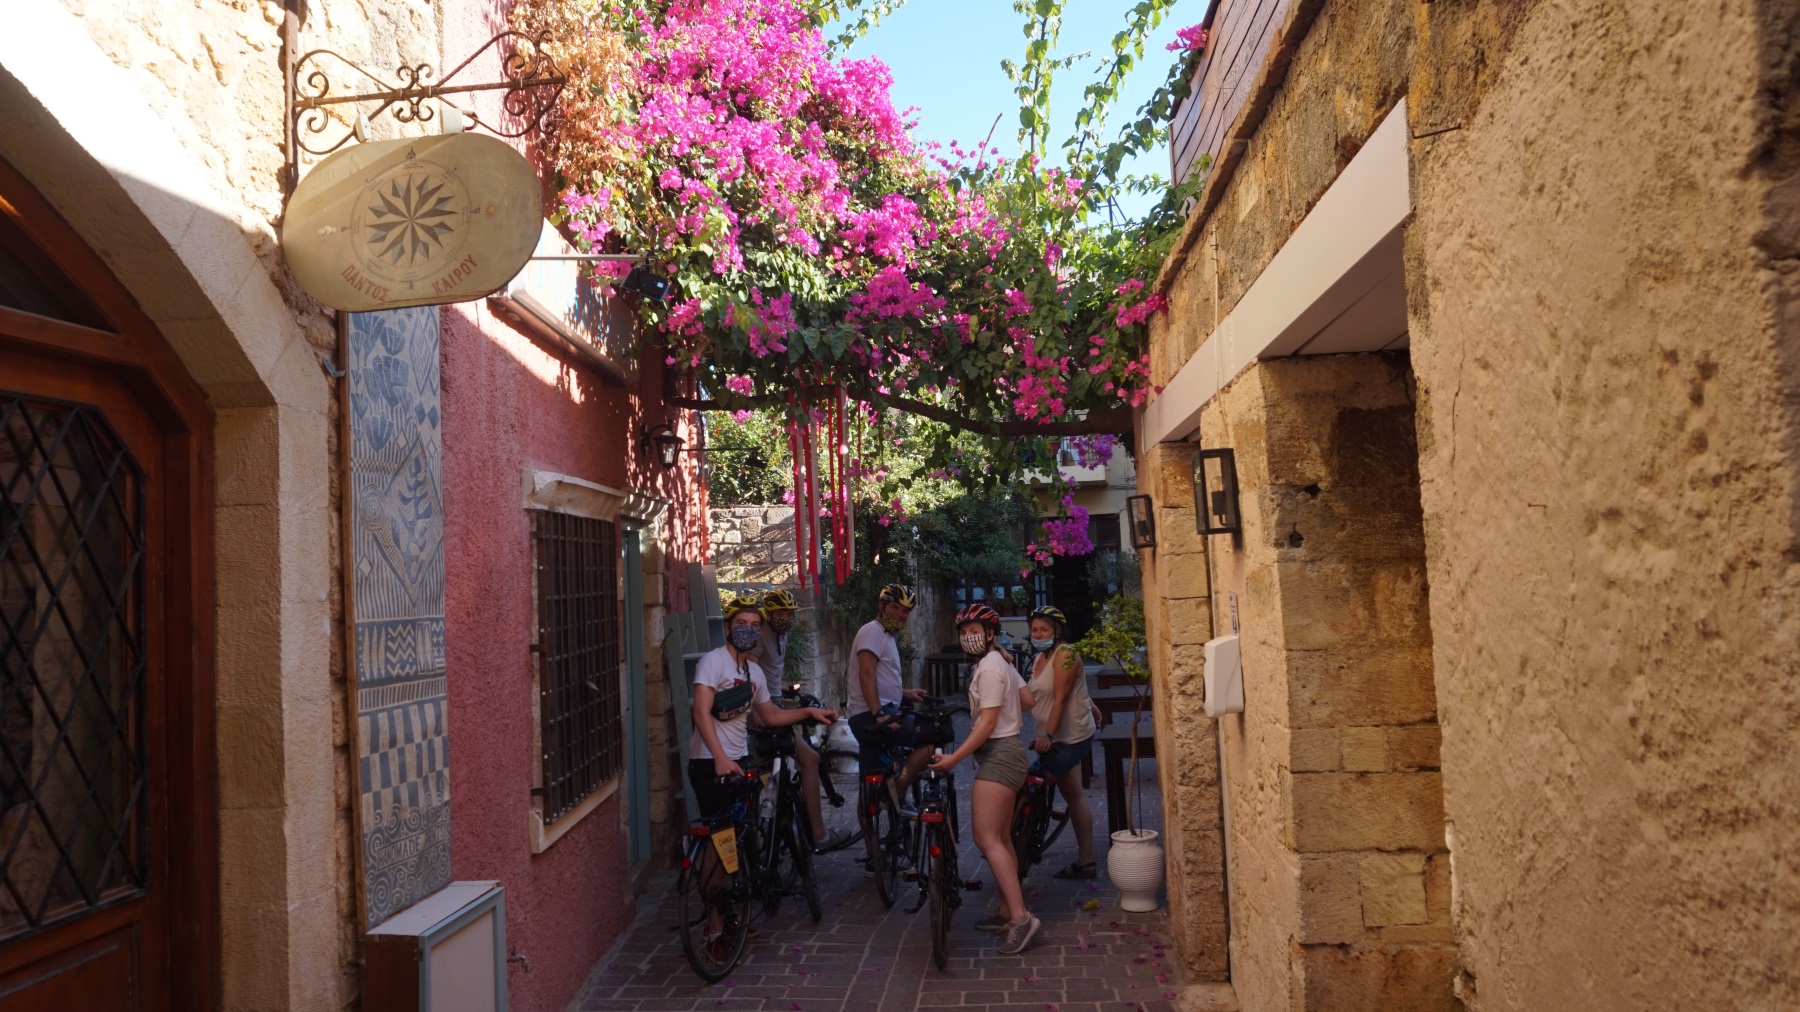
(778, 608)
(874, 682)
(996, 699)
(1064, 719)
(728, 687)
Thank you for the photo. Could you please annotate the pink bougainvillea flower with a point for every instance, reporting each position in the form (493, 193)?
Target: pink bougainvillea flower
(1188, 39)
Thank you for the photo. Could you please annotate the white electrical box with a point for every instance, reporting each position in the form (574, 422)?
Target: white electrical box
(1224, 677)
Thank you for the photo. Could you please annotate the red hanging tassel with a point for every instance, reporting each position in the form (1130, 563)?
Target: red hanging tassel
(799, 536)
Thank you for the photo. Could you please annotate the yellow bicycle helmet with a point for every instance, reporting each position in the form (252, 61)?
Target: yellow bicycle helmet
(779, 600)
(1053, 614)
(742, 602)
(900, 594)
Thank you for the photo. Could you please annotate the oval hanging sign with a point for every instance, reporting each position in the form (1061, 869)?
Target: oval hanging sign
(414, 222)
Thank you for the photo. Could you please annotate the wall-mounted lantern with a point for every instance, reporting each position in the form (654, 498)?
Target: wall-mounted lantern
(664, 445)
(1143, 522)
(1216, 492)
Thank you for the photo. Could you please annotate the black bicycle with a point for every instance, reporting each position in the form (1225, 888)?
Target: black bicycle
(719, 879)
(757, 852)
(1036, 823)
(896, 839)
(934, 856)
(783, 827)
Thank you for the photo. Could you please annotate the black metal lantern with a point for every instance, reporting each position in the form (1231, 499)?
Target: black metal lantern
(663, 444)
(1216, 492)
(647, 283)
(1143, 522)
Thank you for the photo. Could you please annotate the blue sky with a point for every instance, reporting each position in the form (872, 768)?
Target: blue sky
(945, 56)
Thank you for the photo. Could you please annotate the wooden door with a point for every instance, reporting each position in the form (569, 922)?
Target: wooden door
(108, 831)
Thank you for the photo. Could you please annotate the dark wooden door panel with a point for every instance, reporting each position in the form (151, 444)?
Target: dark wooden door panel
(101, 976)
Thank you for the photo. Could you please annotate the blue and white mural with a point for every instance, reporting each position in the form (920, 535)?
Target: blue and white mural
(397, 540)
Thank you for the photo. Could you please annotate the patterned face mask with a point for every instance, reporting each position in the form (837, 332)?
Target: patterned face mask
(974, 643)
(892, 624)
(745, 637)
(781, 623)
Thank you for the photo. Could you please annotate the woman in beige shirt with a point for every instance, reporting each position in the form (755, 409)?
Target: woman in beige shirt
(996, 699)
(1064, 718)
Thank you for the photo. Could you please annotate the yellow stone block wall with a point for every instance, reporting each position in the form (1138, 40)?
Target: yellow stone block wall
(210, 75)
(1607, 252)
(1602, 301)
(1177, 623)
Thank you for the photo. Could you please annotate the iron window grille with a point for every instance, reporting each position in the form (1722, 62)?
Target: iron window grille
(73, 665)
(580, 709)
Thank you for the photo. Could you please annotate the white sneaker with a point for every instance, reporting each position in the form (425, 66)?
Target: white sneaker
(1019, 935)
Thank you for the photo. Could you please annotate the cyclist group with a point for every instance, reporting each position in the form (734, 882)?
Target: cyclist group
(894, 752)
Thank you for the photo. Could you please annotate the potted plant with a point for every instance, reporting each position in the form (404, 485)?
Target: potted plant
(1020, 599)
(1135, 862)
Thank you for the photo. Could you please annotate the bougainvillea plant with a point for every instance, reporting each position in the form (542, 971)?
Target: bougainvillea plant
(815, 246)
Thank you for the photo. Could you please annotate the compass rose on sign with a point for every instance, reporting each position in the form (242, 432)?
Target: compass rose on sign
(411, 220)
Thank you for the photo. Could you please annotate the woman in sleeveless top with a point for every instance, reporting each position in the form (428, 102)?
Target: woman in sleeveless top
(1064, 718)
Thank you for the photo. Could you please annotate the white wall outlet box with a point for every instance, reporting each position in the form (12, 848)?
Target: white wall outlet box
(1224, 677)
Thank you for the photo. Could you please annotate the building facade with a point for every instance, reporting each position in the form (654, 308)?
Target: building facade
(288, 568)
(1494, 304)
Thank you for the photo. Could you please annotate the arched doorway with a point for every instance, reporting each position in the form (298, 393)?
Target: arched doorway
(108, 797)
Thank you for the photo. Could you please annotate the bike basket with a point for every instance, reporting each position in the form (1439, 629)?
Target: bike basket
(934, 728)
(769, 742)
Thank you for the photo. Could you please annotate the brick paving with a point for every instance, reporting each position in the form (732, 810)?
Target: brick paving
(1090, 956)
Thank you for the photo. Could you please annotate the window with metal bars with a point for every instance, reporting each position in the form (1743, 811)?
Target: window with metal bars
(580, 712)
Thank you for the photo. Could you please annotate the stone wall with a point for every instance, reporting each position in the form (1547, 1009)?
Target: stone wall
(1601, 293)
(1610, 456)
(755, 545)
(1178, 622)
(160, 142)
(1339, 869)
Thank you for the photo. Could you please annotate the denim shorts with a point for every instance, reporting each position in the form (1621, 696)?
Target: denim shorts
(1064, 756)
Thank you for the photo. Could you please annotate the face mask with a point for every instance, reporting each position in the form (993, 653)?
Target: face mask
(1041, 645)
(892, 625)
(975, 643)
(745, 637)
(782, 623)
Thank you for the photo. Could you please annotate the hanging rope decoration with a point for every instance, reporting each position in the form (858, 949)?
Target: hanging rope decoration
(828, 510)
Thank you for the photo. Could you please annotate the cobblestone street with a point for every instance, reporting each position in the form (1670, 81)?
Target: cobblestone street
(1090, 956)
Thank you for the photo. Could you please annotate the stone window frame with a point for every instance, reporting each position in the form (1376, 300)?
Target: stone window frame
(560, 493)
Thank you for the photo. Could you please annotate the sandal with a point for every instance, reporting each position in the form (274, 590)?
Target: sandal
(1078, 870)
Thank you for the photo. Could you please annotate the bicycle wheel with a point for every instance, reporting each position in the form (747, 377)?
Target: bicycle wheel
(890, 844)
(712, 956)
(1029, 817)
(803, 881)
(840, 783)
(943, 882)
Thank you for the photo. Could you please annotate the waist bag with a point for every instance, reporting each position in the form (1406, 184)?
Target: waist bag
(729, 704)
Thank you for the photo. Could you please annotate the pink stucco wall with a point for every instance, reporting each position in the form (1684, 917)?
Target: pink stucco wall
(508, 404)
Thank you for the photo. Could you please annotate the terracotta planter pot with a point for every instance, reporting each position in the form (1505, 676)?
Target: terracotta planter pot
(1135, 867)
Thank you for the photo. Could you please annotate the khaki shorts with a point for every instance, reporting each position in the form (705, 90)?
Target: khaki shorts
(1004, 761)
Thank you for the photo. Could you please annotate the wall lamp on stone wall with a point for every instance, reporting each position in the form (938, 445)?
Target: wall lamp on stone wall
(663, 444)
(1216, 492)
(1143, 522)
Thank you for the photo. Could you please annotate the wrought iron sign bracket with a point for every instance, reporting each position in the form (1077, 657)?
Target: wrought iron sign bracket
(531, 80)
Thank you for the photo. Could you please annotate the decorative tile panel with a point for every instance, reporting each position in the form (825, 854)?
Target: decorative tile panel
(397, 545)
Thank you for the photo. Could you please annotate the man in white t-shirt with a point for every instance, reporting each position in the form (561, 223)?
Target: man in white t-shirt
(728, 687)
(875, 682)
